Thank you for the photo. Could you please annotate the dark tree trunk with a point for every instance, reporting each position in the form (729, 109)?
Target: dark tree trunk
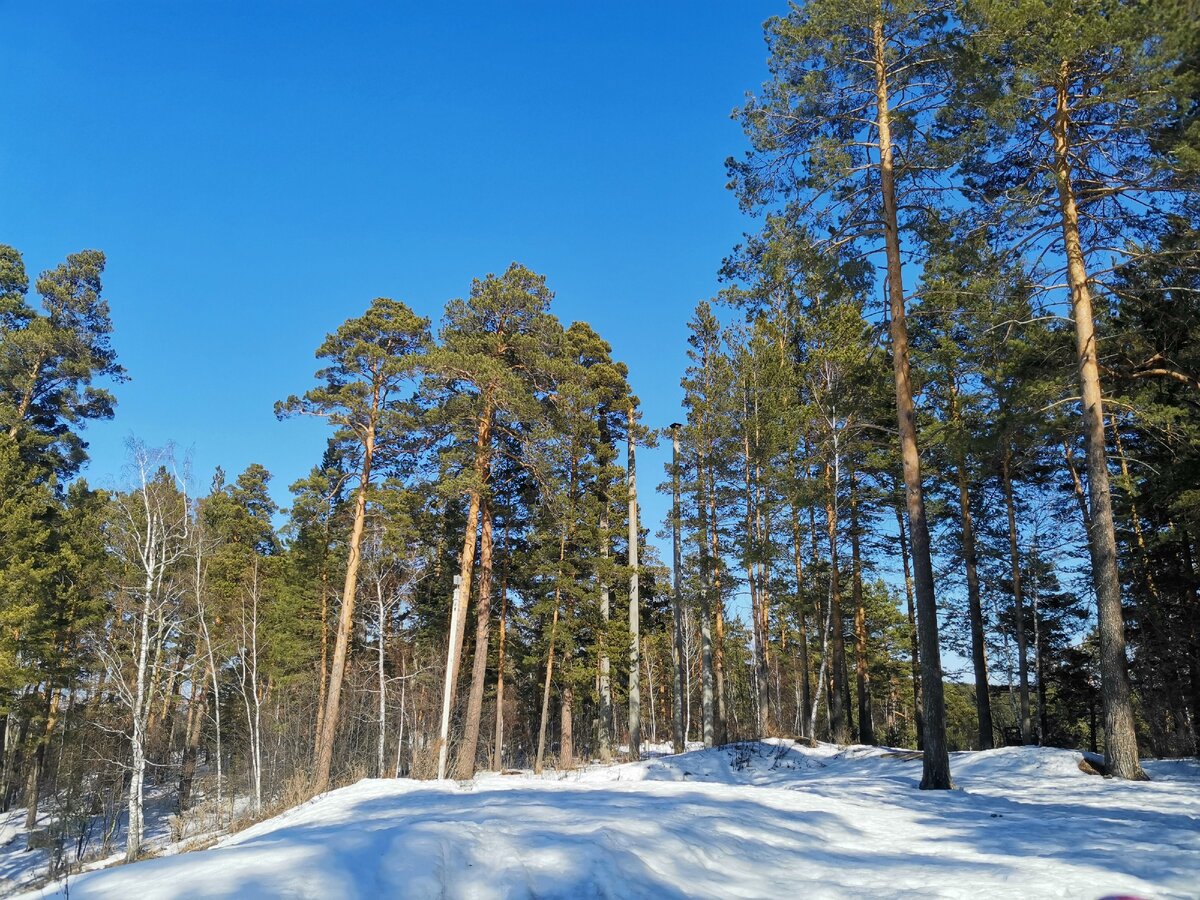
(838, 724)
(1014, 556)
(983, 701)
(866, 725)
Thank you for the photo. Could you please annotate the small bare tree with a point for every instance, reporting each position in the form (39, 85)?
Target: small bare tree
(251, 689)
(151, 536)
(392, 572)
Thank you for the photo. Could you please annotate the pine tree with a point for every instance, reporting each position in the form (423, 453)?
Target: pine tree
(370, 359)
(49, 360)
(496, 356)
(1102, 79)
(836, 66)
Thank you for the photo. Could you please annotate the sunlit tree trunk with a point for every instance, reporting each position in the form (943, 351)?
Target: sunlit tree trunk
(635, 663)
(936, 761)
(462, 594)
(545, 717)
(341, 646)
(483, 622)
(605, 668)
(1120, 738)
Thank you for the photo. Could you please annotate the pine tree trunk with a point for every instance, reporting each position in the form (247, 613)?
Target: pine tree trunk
(635, 662)
(483, 622)
(381, 681)
(936, 764)
(752, 581)
(566, 739)
(12, 764)
(191, 749)
(324, 677)
(1018, 597)
(706, 650)
(605, 666)
(1120, 738)
(677, 660)
(462, 594)
(914, 648)
(802, 625)
(718, 612)
(866, 725)
(337, 674)
(839, 727)
(1043, 712)
(545, 717)
(498, 743)
(983, 700)
(38, 762)
(1193, 634)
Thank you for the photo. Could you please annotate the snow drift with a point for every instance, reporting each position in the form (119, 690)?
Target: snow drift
(760, 819)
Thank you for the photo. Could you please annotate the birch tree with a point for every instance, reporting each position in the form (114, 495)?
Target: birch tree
(151, 528)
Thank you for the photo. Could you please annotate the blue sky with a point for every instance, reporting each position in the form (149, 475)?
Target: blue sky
(258, 172)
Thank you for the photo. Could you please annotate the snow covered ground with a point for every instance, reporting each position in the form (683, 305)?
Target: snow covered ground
(165, 833)
(766, 819)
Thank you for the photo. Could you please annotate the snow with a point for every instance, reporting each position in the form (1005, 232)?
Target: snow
(748, 820)
(21, 866)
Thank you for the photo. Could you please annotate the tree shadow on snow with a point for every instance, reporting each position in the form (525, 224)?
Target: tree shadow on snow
(530, 842)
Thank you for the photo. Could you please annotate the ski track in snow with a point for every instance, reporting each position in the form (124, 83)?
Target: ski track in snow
(764, 819)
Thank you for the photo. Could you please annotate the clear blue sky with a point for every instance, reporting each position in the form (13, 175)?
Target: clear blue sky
(258, 172)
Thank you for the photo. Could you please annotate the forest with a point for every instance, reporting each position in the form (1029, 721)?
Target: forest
(935, 482)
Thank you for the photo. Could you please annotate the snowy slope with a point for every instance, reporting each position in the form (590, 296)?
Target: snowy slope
(754, 820)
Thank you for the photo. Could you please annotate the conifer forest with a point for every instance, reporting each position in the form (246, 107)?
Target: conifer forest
(932, 485)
